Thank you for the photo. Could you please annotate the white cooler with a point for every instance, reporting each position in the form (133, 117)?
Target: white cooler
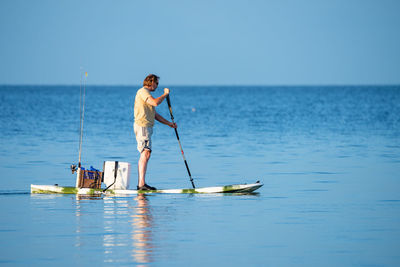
(117, 174)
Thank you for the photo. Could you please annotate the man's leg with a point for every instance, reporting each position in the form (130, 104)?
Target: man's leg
(142, 166)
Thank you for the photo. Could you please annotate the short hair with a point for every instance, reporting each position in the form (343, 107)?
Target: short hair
(150, 79)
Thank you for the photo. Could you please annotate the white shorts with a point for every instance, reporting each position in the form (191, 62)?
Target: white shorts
(143, 137)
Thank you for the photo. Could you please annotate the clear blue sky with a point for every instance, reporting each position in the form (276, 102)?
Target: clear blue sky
(207, 42)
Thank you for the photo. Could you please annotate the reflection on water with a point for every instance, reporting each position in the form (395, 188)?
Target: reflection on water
(80, 212)
(127, 223)
(142, 231)
(116, 211)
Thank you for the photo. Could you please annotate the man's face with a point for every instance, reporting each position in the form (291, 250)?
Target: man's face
(154, 86)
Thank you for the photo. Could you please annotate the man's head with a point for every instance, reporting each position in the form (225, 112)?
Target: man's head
(151, 81)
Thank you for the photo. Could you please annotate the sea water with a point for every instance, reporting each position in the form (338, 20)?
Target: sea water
(329, 158)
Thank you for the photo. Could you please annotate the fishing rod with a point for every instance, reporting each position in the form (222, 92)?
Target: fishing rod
(82, 90)
(177, 137)
(82, 111)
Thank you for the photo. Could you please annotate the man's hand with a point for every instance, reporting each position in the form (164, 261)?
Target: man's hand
(157, 101)
(172, 125)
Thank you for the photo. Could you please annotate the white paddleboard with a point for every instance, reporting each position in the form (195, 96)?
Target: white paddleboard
(55, 189)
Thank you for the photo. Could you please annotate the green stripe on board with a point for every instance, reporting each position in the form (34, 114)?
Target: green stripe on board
(69, 190)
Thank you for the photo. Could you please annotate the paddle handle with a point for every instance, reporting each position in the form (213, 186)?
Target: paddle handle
(180, 145)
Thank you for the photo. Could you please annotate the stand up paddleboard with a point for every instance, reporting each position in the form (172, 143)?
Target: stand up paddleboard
(115, 175)
(55, 189)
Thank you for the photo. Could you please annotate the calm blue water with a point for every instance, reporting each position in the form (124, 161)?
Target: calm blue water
(329, 158)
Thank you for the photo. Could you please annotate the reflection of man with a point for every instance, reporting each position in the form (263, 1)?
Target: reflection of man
(142, 231)
(145, 114)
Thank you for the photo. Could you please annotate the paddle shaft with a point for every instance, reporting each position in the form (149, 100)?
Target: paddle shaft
(177, 137)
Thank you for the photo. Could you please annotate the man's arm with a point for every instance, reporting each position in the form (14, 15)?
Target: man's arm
(164, 121)
(157, 101)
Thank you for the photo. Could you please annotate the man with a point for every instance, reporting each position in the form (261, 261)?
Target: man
(145, 114)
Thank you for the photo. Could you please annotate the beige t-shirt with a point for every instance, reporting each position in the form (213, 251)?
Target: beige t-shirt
(144, 113)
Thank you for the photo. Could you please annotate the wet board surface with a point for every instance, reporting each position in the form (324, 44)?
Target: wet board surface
(55, 189)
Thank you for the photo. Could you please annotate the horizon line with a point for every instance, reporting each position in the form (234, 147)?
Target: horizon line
(207, 85)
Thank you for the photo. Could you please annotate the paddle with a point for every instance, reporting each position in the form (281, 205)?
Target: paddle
(177, 137)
